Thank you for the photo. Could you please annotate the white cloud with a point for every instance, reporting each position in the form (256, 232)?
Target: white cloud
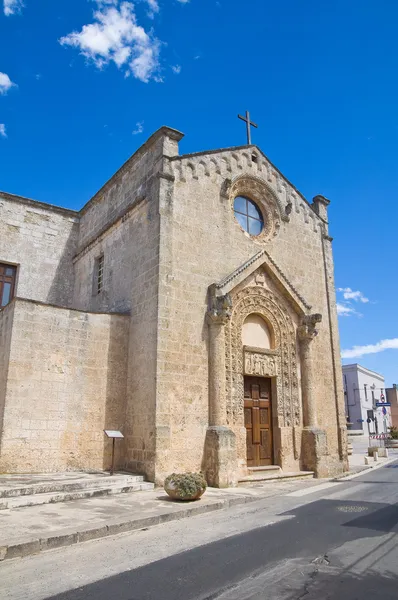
(139, 128)
(153, 8)
(183, 1)
(5, 83)
(358, 351)
(176, 69)
(116, 36)
(349, 294)
(12, 7)
(3, 130)
(345, 311)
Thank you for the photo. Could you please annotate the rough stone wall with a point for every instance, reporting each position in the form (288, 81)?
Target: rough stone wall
(206, 244)
(120, 247)
(41, 240)
(6, 321)
(66, 384)
(122, 223)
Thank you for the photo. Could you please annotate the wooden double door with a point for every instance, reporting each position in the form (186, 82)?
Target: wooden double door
(258, 421)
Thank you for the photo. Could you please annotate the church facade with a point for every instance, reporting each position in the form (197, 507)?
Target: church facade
(190, 304)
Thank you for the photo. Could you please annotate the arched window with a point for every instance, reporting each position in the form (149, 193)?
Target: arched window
(256, 333)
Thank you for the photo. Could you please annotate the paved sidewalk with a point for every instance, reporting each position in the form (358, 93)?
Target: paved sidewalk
(33, 529)
(357, 460)
(30, 530)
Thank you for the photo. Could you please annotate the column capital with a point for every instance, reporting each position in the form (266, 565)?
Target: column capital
(307, 331)
(219, 311)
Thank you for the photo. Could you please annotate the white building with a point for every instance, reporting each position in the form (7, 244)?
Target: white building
(364, 388)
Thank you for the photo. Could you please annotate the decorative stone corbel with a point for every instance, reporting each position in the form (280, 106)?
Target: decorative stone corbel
(225, 188)
(220, 308)
(307, 329)
(288, 210)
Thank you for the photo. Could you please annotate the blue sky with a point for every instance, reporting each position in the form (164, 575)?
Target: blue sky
(83, 83)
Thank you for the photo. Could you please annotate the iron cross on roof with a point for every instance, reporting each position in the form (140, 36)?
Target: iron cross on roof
(248, 125)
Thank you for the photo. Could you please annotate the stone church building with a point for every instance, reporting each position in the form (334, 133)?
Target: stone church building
(190, 304)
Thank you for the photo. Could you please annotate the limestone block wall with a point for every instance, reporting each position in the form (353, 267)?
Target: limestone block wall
(120, 247)
(66, 384)
(206, 244)
(122, 223)
(141, 380)
(41, 239)
(6, 321)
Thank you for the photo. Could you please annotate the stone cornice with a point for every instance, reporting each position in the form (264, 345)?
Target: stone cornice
(262, 258)
(66, 212)
(174, 134)
(121, 218)
(237, 149)
(18, 299)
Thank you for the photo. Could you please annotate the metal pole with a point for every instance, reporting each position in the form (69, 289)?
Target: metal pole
(113, 457)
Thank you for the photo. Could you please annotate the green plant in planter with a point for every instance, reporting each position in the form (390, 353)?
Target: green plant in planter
(185, 486)
(394, 433)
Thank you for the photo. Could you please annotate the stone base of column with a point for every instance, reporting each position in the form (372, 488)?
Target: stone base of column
(314, 451)
(343, 447)
(220, 458)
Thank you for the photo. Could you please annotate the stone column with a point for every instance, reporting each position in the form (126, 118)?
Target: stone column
(314, 446)
(306, 336)
(217, 404)
(220, 447)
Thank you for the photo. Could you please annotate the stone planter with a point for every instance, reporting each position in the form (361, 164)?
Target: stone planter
(186, 487)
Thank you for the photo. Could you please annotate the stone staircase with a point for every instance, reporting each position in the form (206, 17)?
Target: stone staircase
(32, 490)
(258, 475)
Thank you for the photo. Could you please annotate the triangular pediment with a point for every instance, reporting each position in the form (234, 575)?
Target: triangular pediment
(262, 260)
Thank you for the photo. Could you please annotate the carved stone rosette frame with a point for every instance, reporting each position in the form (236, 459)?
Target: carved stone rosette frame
(281, 362)
(258, 191)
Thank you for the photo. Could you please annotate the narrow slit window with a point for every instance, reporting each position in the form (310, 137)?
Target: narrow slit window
(100, 274)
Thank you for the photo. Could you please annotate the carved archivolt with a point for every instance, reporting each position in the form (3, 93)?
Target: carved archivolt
(281, 362)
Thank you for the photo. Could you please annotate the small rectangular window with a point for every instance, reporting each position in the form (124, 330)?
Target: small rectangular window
(7, 283)
(99, 283)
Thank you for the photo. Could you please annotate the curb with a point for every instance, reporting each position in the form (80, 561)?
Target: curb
(352, 475)
(24, 546)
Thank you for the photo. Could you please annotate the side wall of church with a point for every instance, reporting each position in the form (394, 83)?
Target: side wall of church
(42, 241)
(206, 244)
(6, 321)
(66, 384)
(122, 223)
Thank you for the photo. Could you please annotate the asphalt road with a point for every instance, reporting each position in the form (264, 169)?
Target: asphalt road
(338, 543)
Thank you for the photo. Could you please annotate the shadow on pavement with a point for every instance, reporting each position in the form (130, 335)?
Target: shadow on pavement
(201, 573)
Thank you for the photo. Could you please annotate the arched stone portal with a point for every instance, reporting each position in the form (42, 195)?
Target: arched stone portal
(278, 363)
(259, 295)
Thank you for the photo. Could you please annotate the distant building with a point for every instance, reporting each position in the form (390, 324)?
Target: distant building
(392, 396)
(364, 388)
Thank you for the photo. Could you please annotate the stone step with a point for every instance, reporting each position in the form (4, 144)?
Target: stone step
(267, 469)
(263, 477)
(79, 494)
(52, 486)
